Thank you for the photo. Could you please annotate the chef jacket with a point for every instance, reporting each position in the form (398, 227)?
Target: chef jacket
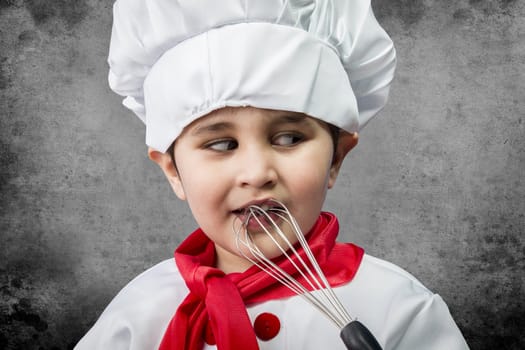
(396, 308)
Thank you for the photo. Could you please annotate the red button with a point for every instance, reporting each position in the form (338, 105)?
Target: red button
(266, 326)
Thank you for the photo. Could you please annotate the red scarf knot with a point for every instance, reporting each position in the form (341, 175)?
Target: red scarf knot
(202, 275)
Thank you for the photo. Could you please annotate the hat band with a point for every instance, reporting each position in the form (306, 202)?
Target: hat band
(262, 65)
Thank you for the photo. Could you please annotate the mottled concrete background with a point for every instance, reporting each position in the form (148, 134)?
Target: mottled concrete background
(436, 185)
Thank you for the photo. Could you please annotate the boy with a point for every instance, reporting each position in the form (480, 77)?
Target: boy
(246, 102)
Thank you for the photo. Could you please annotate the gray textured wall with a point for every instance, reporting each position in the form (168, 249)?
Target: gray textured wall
(436, 184)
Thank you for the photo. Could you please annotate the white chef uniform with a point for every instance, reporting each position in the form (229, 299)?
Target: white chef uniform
(398, 310)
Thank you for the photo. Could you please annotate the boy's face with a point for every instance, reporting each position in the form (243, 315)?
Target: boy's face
(236, 156)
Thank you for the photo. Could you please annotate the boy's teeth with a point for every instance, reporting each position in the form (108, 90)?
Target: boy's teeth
(265, 207)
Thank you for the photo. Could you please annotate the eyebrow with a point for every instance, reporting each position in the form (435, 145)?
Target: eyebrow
(291, 118)
(213, 127)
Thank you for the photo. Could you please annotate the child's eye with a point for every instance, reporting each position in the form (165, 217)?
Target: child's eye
(222, 145)
(287, 139)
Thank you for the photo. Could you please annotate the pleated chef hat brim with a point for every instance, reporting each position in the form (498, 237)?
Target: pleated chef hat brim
(176, 61)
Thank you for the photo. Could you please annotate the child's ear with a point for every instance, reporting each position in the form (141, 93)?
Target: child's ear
(165, 162)
(345, 143)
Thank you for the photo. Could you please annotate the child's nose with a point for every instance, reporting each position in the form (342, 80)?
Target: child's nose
(256, 167)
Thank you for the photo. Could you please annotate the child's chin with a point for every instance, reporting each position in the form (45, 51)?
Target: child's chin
(271, 249)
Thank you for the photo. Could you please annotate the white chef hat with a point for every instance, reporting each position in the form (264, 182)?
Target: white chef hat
(177, 60)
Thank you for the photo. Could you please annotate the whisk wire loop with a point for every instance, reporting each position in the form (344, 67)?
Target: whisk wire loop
(316, 289)
(280, 275)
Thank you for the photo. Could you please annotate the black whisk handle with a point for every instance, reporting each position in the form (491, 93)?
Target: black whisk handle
(357, 337)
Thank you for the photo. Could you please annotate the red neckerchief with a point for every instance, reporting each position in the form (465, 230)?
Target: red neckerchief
(217, 302)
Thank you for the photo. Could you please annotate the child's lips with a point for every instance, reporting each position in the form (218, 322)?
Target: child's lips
(259, 216)
(265, 205)
(259, 223)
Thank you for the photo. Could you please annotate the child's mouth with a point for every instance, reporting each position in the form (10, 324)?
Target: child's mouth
(260, 217)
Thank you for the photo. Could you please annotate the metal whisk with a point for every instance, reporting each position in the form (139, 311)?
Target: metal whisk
(315, 289)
